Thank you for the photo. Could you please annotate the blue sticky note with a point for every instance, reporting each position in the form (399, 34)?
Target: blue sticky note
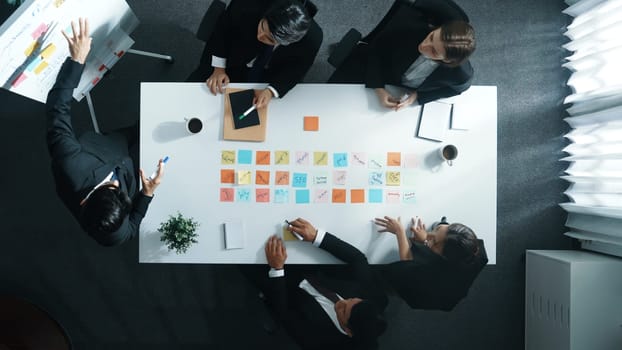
(299, 180)
(243, 195)
(245, 156)
(340, 160)
(375, 195)
(281, 195)
(302, 196)
(409, 196)
(376, 178)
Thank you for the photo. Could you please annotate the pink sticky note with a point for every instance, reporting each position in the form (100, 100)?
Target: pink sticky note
(19, 80)
(226, 195)
(339, 177)
(262, 195)
(393, 197)
(302, 158)
(410, 160)
(321, 195)
(39, 30)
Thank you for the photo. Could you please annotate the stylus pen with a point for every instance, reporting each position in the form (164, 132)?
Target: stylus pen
(156, 172)
(294, 233)
(248, 111)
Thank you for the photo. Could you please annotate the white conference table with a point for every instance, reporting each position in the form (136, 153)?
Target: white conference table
(351, 121)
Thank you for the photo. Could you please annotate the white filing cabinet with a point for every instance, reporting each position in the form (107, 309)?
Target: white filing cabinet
(573, 301)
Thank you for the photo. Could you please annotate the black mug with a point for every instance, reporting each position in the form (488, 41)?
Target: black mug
(194, 125)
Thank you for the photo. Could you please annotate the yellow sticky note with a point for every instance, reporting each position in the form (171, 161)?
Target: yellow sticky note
(48, 51)
(320, 158)
(281, 157)
(41, 67)
(288, 236)
(393, 178)
(30, 49)
(227, 157)
(244, 177)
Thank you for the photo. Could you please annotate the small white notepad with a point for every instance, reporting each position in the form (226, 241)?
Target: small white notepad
(234, 234)
(434, 120)
(462, 115)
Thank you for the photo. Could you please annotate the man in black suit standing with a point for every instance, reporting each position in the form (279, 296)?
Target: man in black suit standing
(94, 174)
(271, 41)
(320, 312)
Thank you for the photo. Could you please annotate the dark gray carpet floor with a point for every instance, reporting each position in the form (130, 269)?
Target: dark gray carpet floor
(106, 300)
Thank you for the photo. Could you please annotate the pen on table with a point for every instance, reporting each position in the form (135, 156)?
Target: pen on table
(152, 176)
(294, 233)
(404, 98)
(248, 111)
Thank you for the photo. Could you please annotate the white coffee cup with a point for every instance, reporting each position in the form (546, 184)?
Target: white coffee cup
(194, 125)
(449, 153)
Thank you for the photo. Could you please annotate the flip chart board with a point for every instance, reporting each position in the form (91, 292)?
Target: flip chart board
(32, 47)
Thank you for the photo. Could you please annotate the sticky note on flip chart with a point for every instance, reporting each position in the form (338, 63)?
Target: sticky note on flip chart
(281, 178)
(262, 177)
(227, 157)
(227, 176)
(357, 196)
(281, 157)
(226, 195)
(244, 177)
(320, 158)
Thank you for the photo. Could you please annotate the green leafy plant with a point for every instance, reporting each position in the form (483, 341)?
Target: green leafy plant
(179, 233)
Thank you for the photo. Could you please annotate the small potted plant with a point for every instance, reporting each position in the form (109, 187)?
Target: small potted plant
(179, 233)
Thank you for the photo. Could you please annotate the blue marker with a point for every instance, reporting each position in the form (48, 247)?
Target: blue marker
(156, 171)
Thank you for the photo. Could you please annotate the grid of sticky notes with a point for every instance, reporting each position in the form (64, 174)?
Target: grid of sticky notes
(317, 177)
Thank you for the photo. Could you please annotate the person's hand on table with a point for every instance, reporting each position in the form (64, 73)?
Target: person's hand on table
(418, 229)
(304, 229)
(408, 101)
(276, 254)
(390, 224)
(149, 185)
(386, 99)
(217, 81)
(262, 98)
(80, 41)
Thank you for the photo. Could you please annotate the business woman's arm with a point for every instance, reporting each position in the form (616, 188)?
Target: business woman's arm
(394, 226)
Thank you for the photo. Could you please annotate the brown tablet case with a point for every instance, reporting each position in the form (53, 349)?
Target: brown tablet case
(252, 133)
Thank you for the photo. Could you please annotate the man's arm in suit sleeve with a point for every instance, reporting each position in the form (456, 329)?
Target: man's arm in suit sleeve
(291, 70)
(463, 78)
(61, 140)
(357, 261)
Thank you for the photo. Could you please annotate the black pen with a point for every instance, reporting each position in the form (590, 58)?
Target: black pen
(294, 233)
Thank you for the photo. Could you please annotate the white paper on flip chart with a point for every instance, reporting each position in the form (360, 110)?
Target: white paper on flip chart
(434, 120)
(234, 234)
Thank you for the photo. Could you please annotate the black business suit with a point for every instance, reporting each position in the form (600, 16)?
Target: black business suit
(429, 281)
(391, 49)
(235, 38)
(301, 315)
(80, 164)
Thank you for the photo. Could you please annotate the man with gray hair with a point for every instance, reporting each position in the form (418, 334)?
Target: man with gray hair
(268, 41)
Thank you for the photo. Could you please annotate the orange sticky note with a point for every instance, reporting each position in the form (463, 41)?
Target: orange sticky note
(281, 178)
(262, 177)
(227, 176)
(339, 195)
(311, 123)
(262, 195)
(357, 196)
(226, 195)
(394, 158)
(262, 157)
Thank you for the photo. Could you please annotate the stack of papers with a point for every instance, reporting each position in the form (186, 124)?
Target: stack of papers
(434, 120)
(234, 234)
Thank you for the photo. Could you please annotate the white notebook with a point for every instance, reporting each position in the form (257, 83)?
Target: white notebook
(434, 120)
(234, 234)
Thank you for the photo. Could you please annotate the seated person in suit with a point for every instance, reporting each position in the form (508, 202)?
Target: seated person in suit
(272, 41)
(94, 174)
(436, 268)
(408, 51)
(320, 312)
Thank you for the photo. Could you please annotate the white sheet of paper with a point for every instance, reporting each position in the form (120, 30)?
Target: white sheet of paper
(434, 121)
(462, 114)
(234, 234)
